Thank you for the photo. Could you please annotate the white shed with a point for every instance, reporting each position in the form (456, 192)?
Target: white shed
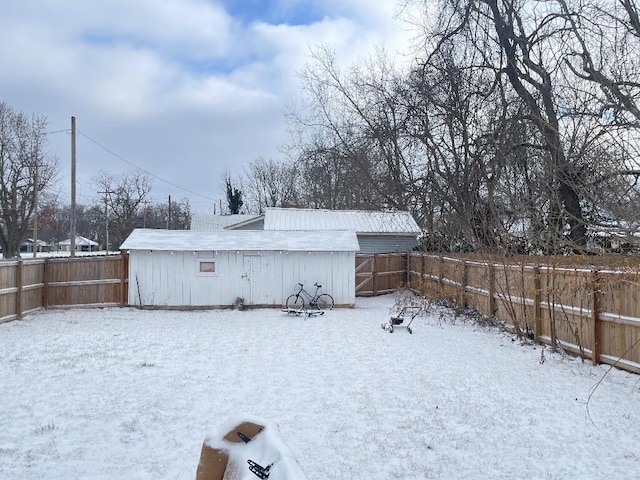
(183, 268)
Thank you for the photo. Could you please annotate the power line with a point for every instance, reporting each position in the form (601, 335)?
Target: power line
(66, 130)
(142, 169)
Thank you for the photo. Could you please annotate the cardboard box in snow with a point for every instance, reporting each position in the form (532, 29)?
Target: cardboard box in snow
(247, 448)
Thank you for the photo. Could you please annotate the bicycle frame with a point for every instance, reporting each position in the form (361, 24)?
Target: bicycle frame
(304, 293)
(297, 300)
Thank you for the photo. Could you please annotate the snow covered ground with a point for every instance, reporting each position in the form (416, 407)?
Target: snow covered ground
(129, 394)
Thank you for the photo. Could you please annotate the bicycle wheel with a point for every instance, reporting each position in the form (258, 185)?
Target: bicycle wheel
(324, 302)
(295, 302)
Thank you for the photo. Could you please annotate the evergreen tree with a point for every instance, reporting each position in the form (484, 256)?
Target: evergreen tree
(234, 197)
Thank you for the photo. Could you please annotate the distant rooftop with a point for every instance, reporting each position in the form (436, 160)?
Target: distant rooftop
(80, 241)
(209, 222)
(363, 222)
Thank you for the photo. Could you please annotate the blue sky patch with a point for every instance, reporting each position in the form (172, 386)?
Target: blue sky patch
(290, 12)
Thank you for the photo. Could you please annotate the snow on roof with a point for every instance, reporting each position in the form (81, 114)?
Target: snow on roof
(79, 241)
(242, 240)
(292, 219)
(29, 241)
(207, 222)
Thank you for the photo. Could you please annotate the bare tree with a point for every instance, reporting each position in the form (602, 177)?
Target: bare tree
(358, 114)
(156, 215)
(459, 174)
(520, 46)
(125, 196)
(55, 220)
(269, 183)
(339, 178)
(512, 112)
(24, 169)
(603, 44)
(180, 215)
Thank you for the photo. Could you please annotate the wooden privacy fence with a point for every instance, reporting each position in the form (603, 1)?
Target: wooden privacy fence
(377, 274)
(28, 285)
(592, 313)
(589, 312)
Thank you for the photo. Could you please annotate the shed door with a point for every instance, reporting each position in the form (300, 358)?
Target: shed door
(247, 275)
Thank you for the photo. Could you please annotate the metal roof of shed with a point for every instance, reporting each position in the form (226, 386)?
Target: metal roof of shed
(362, 222)
(241, 240)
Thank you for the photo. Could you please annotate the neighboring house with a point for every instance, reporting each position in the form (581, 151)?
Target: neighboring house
(378, 232)
(83, 244)
(183, 268)
(210, 222)
(27, 246)
(614, 236)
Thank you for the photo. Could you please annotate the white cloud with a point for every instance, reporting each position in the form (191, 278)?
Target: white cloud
(178, 87)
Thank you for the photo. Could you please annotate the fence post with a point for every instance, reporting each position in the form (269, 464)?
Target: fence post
(374, 274)
(463, 286)
(123, 276)
(492, 290)
(537, 309)
(19, 290)
(440, 277)
(407, 270)
(551, 300)
(595, 316)
(45, 281)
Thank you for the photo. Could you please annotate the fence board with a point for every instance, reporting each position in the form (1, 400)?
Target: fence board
(380, 273)
(28, 285)
(364, 275)
(563, 306)
(8, 290)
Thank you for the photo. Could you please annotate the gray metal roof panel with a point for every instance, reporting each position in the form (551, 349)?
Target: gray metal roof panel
(297, 219)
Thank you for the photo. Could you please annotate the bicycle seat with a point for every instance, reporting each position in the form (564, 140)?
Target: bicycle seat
(319, 286)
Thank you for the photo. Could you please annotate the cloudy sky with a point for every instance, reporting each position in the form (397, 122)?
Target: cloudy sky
(183, 89)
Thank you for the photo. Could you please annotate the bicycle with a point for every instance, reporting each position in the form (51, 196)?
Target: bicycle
(296, 301)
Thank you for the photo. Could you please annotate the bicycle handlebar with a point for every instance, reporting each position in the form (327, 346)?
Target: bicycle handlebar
(315, 285)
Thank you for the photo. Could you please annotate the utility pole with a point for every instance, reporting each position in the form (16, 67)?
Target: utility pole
(144, 217)
(106, 220)
(72, 228)
(169, 215)
(35, 212)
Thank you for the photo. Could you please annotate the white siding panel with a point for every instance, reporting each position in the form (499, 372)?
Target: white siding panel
(134, 279)
(218, 289)
(334, 271)
(261, 278)
(158, 293)
(167, 275)
(201, 285)
(264, 279)
(141, 279)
